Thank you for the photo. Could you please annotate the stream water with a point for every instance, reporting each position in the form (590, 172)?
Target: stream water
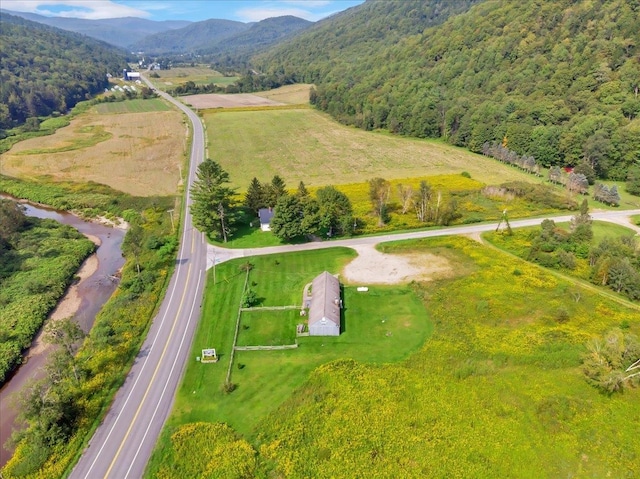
(94, 291)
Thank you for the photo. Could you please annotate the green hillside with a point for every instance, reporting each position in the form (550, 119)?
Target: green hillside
(555, 80)
(193, 37)
(44, 69)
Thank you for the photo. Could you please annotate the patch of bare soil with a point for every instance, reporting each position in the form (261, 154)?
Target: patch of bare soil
(214, 100)
(373, 267)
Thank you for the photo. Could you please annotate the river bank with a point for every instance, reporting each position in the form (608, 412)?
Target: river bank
(83, 300)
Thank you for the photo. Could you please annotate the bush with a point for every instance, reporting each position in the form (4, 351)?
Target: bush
(228, 387)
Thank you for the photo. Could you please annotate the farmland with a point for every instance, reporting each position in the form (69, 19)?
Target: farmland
(200, 75)
(305, 145)
(497, 369)
(135, 146)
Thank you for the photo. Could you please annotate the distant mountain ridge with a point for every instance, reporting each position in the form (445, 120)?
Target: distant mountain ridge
(121, 32)
(258, 37)
(220, 39)
(190, 38)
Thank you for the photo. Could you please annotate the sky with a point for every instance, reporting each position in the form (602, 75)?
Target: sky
(192, 10)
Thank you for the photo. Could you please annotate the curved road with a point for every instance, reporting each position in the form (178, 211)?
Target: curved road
(122, 444)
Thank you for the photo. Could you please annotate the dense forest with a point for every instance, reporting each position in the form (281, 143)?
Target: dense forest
(558, 81)
(45, 70)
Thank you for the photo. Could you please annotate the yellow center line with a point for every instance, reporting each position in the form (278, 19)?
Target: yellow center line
(155, 372)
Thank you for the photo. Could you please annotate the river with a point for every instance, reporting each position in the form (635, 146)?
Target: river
(85, 299)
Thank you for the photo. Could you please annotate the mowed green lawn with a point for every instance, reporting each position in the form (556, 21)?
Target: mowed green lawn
(306, 145)
(268, 328)
(495, 390)
(385, 324)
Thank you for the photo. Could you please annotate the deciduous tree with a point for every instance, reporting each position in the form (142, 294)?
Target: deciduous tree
(379, 194)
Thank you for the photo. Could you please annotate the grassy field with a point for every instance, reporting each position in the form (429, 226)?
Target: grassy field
(268, 328)
(306, 145)
(496, 391)
(133, 106)
(200, 75)
(290, 94)
(386, 324)
(137, 153)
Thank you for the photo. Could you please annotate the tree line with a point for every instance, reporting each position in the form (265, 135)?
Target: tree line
(217, 212)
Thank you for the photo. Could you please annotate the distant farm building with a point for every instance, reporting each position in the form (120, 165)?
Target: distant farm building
(265, 215)
(325, 306)
(130, 76)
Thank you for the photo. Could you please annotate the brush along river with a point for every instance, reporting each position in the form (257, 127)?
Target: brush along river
(82, 300)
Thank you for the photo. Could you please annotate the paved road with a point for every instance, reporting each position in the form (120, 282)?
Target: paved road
(219, 255)
(122, 445)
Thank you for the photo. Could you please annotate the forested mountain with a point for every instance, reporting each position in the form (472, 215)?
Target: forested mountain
(344, 39)
(121, 32)
(194, 36)
(555, 80)
(238, 48)
(44, 69)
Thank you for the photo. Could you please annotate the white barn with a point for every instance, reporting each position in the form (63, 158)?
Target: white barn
(324, 310)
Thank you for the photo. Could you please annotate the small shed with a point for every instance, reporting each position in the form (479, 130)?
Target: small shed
(324, 311)
(265, 215)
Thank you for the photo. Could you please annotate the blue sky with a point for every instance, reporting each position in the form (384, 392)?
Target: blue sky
(193, 10)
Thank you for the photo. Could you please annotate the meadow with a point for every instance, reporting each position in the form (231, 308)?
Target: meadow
(306, 145)
(490, 386)
(134, 146)
(390, 317)
(200, 75)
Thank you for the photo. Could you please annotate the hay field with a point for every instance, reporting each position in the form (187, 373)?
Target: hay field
(137, 153)
(289, 94)
(216, 100)
(200, 75)
(306, 145)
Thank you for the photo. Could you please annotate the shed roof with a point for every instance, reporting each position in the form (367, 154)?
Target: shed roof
(265, 215)
(325, 300)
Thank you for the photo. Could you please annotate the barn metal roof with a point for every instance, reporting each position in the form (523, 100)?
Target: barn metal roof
(325, 300)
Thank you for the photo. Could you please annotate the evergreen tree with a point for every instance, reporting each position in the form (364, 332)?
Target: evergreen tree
(212, 209)
(302, 191)
(274, 191)
(254, 198)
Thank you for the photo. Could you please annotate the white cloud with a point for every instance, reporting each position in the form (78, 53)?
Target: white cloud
(90, 10)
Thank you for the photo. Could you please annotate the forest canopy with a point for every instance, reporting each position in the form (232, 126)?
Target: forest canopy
(555, 80)
(45, 70)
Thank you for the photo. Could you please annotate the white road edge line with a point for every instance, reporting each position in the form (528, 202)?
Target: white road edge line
(164, 389)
